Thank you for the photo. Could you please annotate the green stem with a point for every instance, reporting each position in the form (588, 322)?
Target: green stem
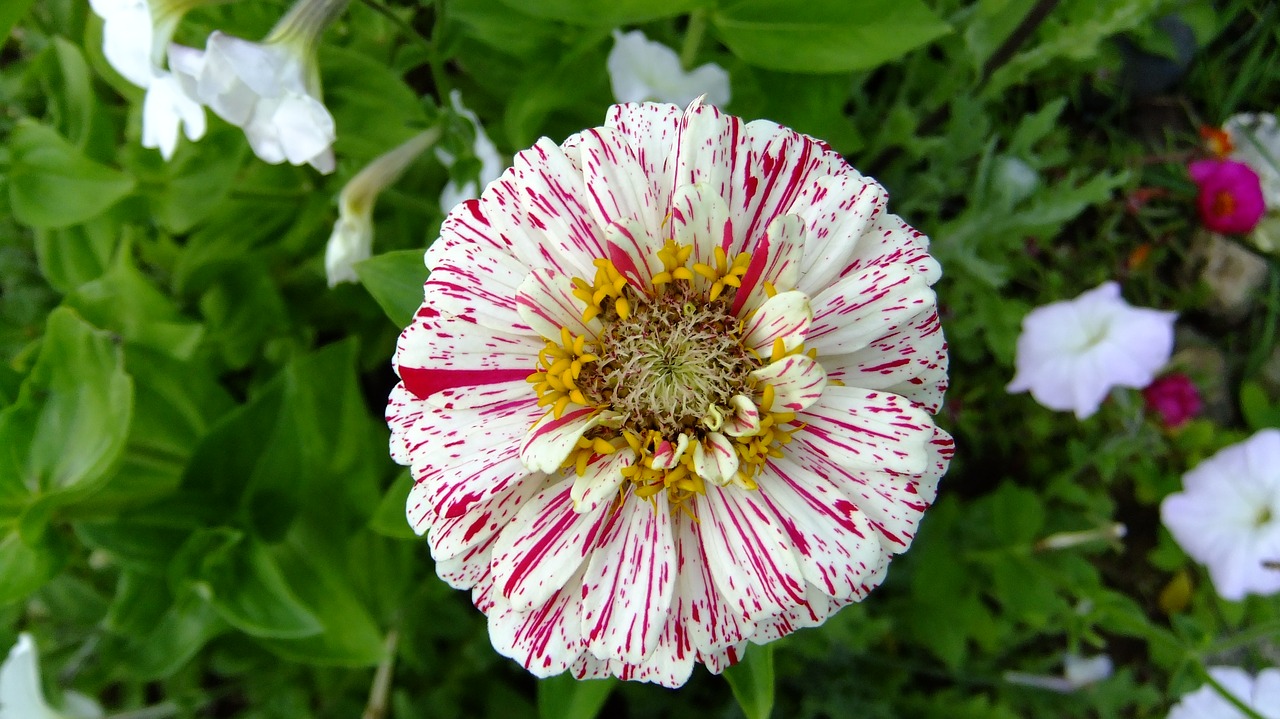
(1268, 630)
(403, 25)
(693, 38)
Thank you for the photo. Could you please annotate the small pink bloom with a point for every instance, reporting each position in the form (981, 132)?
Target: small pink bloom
(1230, 199)
(1175, 398)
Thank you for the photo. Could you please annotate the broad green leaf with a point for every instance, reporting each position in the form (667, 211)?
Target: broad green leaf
(1259, 412)
(72, 256)
(11, 11)
(752, 681)
(177, 636)
(350, 636)
(52, 185)
(126, 302)
(564, 697)
(140, 603)
(25, 567)
(67, 429)
(824, 36)
(395, 281)
(199, 179)
(606, 12)
(243, 582)
(372, 100)
(506, 27)
(1017, 515)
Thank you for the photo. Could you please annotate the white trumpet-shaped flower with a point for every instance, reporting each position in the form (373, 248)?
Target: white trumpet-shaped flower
(1071, 353)
(21, 696)
(491, 163)
(641, 69)
(271, 89)
(352, 238)
(135, 41)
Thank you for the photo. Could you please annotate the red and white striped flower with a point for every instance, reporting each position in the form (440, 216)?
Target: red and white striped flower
(669, 393)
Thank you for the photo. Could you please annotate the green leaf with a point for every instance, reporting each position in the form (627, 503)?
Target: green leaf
(73, 95)
(563, 697)
(200, 178)
(395, 281)
(66, 431)
(1259, 412)
(606, 12)
(11, 11)
(825, 36)
(127, 303)
(24, 567)
(243, 582)
(389, 518)
(752, 681)
(52, 185)
(72, 256)
(177, 636)
(350, 636)
(1017, 514)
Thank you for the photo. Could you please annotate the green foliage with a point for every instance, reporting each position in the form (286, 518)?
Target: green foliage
(198, 514)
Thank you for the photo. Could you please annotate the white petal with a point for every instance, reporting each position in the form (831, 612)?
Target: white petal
(601, 482)
(20, 694)
(745, 420)
(350, 242)
(551, 438)
(629, 582)
(546, 303)
(714, 459)
(784, 316)
(798, 381)
(544, 545)
(547, 638)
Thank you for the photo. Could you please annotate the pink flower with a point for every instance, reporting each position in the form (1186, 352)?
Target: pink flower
(1230, 199)
(1175, 398)
(669, 392)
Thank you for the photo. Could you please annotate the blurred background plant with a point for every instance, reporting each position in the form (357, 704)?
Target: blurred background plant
(198, 515)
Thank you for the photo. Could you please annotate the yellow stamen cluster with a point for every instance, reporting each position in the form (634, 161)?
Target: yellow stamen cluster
(608, 285)
(559, 366)
(607, 298)
(724, 273)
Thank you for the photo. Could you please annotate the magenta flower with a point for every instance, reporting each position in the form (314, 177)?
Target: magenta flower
(1174, 398)
(669, 393)
(1230, 199)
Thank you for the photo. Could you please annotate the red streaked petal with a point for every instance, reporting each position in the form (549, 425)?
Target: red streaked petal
(546, 639)
(784, 316)
(911, 361)
(867, 430)
(798, 381)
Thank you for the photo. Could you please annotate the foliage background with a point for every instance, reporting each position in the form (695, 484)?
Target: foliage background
(198, 517)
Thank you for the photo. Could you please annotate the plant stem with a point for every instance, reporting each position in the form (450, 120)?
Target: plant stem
(1235, 701)
(693, 38)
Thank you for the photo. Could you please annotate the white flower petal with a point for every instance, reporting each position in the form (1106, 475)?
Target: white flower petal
(547, 638)
(784, 316)
(20, 694)
(640, 69)
(600, 483)
(798, 382)
(715, 460)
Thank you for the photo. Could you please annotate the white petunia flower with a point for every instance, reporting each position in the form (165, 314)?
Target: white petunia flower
(491, 163)
(669, 393)
(641, 69)
(1255, 141)
(1077, 672)
(1228, 516)
(352, 237)
(1261, 694)
(135, 36)
(1071, 353)
(22, 697)
(271, 89)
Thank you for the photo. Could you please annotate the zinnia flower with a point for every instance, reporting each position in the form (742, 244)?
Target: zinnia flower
(1174, 398)
(1230, 195)
(1227, 516)
(641, 69)
(669, 392)
(1071, 353)
(271, 89)
(1261, 694)
(352, 238)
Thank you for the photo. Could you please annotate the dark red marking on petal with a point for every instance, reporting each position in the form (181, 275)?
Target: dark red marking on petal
(425, 381)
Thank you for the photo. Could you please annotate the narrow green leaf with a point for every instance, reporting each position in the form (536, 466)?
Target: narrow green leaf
(75, 93)
(752, 682)
(563, 697)
(389, 519)
(66, 431)
(825, 36)
(395, 281)
(51, 184)
(72, 256)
